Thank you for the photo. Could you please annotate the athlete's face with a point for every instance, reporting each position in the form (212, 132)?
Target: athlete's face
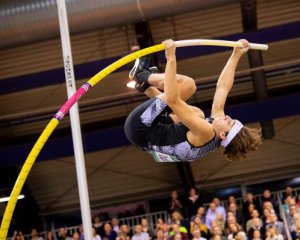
(222, 125)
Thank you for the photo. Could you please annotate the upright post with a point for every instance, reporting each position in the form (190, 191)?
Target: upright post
(75, 123)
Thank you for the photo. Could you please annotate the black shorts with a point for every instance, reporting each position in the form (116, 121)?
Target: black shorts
(142, 126)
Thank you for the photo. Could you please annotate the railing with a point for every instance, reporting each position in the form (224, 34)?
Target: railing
(130, 221)
(153, 217)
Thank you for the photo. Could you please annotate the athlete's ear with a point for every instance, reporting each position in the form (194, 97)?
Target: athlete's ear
(223, 135)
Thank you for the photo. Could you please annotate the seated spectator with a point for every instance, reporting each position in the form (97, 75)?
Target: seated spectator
(95, 235)
(254, 205)
(241, 236)
(98, 225)
(256, 225)
(267, 197)
(177, 218)
(122, 236)
(237, 213)
(139, 234)
(232, 199)
(290, 217)
(232, 231)
(159, 224)
(220, 209)
(193, 202)
(272, 233)
(125, 231)
(200, 213)
(255, 214)
(211, 215)
(108, 234)
(288, 193)
(256, 235)
(146, 228)
(296, 233)
(197, 235)
(159, 235)
(276, 224)
(197, 224)
(76, 236)
(35, 235)
(174, 204)
(220, 221)
(18, 235)
(286, 204)
(115, 224)
(266, 217)
(231, 220)
(178, 232)
(63, 233)
(50, 235)
(216, 232)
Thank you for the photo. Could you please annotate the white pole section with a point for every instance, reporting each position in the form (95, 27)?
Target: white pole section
(75, 122)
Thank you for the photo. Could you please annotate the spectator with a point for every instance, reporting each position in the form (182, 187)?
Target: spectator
(108, 234)
(290, 217)
(62, 234)
(216, 231)
(197, 235)
(50, 235)
(220, 209)
(98, 225)
(296, 233)
(175, 204)
(18, 235)
(241, 236)
(193, 202)
(255, 214)
(122, 236)
(220, 221)
(35, 235)
(266, 217)
(178, 232)
(95, 235)
(146, 228)
(232, 231)
(272, 233)
(286, 204)
(76, 236)
(197, 224)
(159, 224)
(115, 224)
(288, 193)
(231, 220)
(256, 226)
(125, 232)
(276, 224)
(249, 201)
(166, 231)
(200, 213)
(211, 215)
(256, 235)
(177, 218)
(159, 235)
(298, 201)
(267, 197)
(139, 234)
(237, 213)
(81, 233)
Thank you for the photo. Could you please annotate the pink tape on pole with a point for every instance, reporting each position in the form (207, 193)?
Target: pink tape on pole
(72, 100)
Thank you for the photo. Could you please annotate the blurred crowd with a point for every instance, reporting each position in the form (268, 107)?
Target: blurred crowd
(254, 218)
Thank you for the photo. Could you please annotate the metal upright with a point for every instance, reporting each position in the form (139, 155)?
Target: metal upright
(75, 122)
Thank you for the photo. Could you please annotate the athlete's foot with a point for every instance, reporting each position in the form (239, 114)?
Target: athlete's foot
(139, 73)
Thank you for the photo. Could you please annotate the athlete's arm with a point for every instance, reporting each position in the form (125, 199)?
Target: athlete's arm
(171, 96)
(226, 79)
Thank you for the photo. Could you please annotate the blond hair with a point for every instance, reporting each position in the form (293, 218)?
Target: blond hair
(248, 139)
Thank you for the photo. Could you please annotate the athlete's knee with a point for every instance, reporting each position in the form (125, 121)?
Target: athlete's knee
(188, 83)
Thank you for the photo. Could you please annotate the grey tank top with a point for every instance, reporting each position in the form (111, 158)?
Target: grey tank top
(179, 146)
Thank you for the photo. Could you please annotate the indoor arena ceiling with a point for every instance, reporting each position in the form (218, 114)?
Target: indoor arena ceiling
(32, 89)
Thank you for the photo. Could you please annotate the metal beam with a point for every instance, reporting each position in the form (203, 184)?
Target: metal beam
(249, 20)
